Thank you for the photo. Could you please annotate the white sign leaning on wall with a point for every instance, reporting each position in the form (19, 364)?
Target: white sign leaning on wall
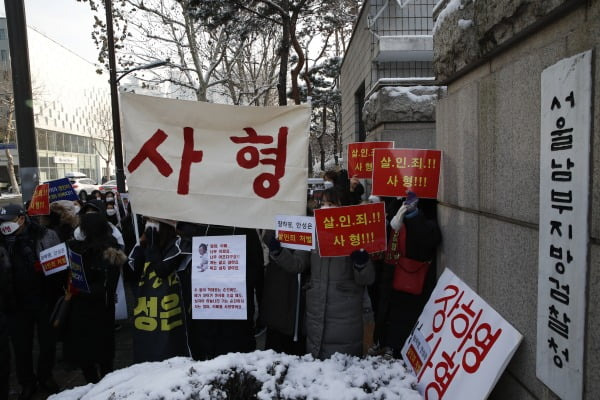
(214, 163)
(460, 345)
(563, 226)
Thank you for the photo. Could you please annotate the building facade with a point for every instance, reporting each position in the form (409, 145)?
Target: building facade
(72, 113)
(387, 82)
(492, 56)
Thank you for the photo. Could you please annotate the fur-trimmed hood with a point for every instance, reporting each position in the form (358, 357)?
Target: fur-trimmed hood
(65, 209)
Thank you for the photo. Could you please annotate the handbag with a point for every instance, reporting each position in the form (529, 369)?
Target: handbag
(409, 274)
(60, 314)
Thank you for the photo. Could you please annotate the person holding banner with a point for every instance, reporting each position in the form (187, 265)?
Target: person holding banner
(408, 273)
(5, 300)
(32, 297)
(334, 299)
(209, 338)
(350, 191)
(89, 335)
(159, 316)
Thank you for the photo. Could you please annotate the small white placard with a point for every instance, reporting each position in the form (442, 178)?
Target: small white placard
(295, 232)
(219, 277)
(54, 259)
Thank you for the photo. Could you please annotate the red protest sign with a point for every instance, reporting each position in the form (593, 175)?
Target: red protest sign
(360, 157)
(40, 203)
(341, 230)
(395, 171)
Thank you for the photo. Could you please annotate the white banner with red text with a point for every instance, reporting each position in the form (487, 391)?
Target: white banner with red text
(213, 163)
(460, 345)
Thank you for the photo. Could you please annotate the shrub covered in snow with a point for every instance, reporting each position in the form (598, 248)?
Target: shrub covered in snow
(259, 375)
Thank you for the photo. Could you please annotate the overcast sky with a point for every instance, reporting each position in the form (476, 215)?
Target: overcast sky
(67, 22)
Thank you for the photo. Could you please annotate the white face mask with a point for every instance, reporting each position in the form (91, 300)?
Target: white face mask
(78, 235)
(76, 209)
(374, 199)
(152, 225)
(8, 228)
(328, 184)
(326, 206)
(110, 199)
(110, 212)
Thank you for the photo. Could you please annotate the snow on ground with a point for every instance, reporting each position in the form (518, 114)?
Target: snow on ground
(279, 376)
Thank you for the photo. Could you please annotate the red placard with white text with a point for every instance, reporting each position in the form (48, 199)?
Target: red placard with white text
(360, 157)
(341, 230)
(396, 171)
(460, 344)
(40, 203)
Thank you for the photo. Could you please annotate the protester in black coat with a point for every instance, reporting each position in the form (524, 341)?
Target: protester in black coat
(5, 299)
(159, 316)
(33, 297)
(89, 335)
(211, 338)
(282, 310)
(398, 311)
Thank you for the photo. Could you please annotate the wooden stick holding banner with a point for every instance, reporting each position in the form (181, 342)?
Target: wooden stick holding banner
(341, 230)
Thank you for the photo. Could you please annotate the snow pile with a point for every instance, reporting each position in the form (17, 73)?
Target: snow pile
(451, 7)
(262, 374)
(416, 94)
(465, 23)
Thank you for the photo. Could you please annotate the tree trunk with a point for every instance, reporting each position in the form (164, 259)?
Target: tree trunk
(284, 53)
(10, 165)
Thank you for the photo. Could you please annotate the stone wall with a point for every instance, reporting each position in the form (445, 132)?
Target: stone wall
(356, 70)
(488, 125)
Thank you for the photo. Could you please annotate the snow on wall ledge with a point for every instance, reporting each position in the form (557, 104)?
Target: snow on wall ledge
(261, 374)
(467, 30)
(400, 104)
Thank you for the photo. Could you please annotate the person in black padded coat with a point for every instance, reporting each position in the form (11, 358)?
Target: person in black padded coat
(89, 333)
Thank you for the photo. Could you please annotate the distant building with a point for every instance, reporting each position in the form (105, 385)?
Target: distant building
(387, 81)
(72, 113)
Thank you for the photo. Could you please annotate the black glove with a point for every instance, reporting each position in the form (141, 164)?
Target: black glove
(274, 246)
(359, 257)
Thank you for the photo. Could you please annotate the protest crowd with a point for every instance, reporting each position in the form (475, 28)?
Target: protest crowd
(361, 304)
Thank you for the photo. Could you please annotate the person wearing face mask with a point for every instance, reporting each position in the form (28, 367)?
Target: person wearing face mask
(32, 296)
(6, 299)
(155, 262)
(96, 195)
(98, 206)
(89, 339)
(411, 251)
(334, 299)
(350, 191)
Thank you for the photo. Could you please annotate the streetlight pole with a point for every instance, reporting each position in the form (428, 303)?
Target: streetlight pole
(23, 99)
(114, 95)
(114, 98)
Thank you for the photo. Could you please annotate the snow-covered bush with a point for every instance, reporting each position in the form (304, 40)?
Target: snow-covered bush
(260, 375)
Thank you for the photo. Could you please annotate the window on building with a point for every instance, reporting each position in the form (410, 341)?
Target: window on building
(359, 103)
(3, 55)
(2, 34)
(42, 140)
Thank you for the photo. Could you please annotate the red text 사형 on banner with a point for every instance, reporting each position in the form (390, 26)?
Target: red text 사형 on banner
(266, 185)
